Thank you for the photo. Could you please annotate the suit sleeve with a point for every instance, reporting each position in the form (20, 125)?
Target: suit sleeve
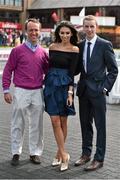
(111, 64)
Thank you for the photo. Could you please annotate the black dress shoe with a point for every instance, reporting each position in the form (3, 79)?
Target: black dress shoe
(83, 160)
(35, 159)
(94, 166)
(15, 160)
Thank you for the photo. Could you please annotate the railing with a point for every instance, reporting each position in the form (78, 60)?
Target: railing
(114, 95)
(4, 54)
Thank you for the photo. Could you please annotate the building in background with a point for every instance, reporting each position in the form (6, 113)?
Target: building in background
(10, 14)
(13, 14)
(51, 11)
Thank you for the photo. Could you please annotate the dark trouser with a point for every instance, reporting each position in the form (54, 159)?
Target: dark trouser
(93, 108)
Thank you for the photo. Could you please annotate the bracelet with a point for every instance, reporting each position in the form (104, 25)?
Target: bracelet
(70, 92)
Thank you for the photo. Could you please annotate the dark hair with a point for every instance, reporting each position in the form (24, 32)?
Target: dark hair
(32, 20)
(74, 37)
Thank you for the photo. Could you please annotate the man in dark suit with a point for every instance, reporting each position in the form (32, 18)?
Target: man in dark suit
(98, 71)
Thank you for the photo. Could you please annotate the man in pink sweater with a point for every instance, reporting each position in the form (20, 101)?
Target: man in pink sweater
(28, 63)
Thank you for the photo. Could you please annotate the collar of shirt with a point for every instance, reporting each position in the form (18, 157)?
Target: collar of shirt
(93, 40)
(31, 46)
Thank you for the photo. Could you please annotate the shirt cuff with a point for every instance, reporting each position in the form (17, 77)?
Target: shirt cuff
(6, 91)
(105, 89)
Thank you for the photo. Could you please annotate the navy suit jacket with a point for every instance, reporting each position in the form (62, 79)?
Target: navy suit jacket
(103, 69)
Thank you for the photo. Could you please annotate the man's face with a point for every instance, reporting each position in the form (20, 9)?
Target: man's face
(33, 32)
(89, 27)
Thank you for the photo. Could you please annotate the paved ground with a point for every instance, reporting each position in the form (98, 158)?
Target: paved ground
(26, 170)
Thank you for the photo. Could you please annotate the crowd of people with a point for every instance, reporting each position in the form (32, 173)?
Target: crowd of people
(11, 38)
(32, 67)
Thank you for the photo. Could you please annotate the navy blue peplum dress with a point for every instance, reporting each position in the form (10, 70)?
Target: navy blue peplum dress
(57, 81)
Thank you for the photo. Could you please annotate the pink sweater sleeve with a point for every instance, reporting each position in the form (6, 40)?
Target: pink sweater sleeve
(9, 68)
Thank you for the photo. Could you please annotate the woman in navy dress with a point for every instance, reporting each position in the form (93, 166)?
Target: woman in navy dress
(59, 86)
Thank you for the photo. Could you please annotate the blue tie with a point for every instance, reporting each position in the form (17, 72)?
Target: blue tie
(88, 55)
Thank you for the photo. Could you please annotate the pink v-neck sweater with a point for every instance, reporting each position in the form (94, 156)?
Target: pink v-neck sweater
(28, 68)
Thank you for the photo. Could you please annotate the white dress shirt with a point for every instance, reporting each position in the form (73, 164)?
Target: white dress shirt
(85, 50)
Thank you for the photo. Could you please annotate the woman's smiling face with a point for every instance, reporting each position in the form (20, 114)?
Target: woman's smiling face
(65, 34)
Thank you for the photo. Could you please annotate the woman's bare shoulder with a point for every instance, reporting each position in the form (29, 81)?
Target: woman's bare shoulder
(53, 46)
(75, 49)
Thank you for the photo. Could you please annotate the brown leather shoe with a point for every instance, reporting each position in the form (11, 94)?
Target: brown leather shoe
(83, 160)
(94, 165)
(35, 159)
(15, 160)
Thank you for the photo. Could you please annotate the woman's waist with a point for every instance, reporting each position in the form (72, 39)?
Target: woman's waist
(58, 76)
(58, 70)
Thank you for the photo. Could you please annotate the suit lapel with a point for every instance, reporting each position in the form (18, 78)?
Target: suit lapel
(95, 50)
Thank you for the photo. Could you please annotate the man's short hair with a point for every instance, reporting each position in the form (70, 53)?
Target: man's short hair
(90, 18)
(34, 20)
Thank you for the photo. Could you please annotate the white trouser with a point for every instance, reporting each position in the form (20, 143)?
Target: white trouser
(27, 105)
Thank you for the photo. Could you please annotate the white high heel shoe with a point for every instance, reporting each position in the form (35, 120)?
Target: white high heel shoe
(64, 165)
(56, 162)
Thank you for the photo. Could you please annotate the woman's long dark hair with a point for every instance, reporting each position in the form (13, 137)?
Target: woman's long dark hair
(74, 37)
